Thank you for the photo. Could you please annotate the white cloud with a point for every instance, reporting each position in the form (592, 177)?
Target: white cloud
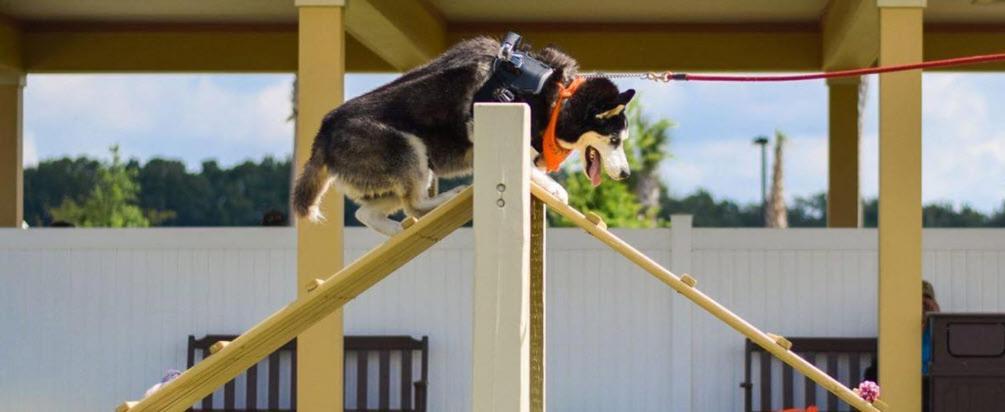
(732, 167)
(192, 117)
(29, 155)
(963, 140)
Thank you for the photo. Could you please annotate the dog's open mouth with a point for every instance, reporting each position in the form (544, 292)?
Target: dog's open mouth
(592, 169)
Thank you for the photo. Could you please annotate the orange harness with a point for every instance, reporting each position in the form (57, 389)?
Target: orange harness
(553, 153)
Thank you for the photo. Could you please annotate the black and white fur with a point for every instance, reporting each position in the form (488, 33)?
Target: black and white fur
(384, 148)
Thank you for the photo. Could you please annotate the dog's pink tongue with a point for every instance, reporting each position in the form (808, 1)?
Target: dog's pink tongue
(593, 170)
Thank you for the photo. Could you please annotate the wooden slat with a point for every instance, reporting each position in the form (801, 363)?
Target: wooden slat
(362, 381)
(748, 401)
(385, 380)
(274, 380)
(809, 388)
(787, 389)
(703, 301)
(765, 381)
(228, 395)
(287, 323)
(832, 369)
(293, 379)
(406, 380)
(251, 389)
(854, 369)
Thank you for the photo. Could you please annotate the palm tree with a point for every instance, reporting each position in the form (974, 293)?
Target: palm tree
(776, 213)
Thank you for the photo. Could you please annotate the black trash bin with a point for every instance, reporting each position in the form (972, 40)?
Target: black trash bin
(967, 372)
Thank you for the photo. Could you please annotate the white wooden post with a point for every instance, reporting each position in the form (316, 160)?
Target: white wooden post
(501, 376)
(680, 342)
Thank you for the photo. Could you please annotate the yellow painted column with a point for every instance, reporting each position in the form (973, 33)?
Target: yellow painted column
(11, 173)
(320, 71)
(900, 207)
(843, 201)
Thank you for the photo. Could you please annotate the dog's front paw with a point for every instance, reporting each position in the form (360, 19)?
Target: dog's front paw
(558, 191)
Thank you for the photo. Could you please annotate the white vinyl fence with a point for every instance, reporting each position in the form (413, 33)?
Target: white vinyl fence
(92, 317)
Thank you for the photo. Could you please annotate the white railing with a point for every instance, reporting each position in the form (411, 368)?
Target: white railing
(93, 316)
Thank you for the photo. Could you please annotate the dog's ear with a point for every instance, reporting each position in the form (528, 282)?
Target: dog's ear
(625, 97)
(620, 102)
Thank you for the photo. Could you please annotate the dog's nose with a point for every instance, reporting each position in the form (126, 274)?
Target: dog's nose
(624, 175)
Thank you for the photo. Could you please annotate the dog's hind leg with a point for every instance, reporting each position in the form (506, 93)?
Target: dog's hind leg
(374, 214)
(417, 203)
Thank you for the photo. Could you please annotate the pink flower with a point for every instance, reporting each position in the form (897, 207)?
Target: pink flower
(868, 390)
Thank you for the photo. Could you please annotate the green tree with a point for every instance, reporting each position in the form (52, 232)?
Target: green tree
(51, 181)
(647, 149)
(612, 200)
(112, 201)
(634, 202)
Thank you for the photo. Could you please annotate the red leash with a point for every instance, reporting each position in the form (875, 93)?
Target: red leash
(671, 76)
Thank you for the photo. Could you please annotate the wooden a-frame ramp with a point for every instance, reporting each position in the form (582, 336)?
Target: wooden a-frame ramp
(284, 325)
(326, 296)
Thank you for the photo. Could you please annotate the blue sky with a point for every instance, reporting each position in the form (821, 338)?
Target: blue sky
(232, 118)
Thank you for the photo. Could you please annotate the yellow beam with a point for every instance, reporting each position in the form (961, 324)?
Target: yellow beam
(406, 34)
(947, 41)
(774, 344)
(900, 209)
(320, 85)
(264, 338)
(850, 34)
(10, 46)
(678, 47)
(78, 47)
(844, 125)
(11, 173)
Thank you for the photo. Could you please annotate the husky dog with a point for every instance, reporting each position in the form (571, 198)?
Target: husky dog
(384, 148)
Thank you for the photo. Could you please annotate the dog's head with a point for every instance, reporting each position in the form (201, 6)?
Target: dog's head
(594, 123)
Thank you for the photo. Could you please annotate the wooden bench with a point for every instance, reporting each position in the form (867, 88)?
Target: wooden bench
(842, 358)
(279, 381)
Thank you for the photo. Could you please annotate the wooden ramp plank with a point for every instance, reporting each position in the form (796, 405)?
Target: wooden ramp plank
(284, 325)
(711, 306)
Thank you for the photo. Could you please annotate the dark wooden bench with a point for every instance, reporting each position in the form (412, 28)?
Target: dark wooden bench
(842, 358)
(280, 379)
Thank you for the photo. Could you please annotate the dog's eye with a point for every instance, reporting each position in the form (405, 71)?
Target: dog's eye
(615, 140)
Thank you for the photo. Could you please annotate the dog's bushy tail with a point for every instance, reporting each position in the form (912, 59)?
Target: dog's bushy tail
(310, 187)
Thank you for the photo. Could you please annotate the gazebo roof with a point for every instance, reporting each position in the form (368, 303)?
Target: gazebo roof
(566, 11)
(393, 35)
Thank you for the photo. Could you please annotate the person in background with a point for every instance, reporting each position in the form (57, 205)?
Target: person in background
(928, 306)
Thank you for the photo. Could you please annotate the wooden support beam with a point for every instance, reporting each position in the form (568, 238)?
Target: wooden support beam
(109, 47)
(10, 46)
(405, 34)
(850, 34)
(900, 209)
(844, 205)
(11, 147)
(320, 87)
(678, 47)
(944, 41)
(538, 292)
(292, 320)
(762, 339)
(501, 342)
